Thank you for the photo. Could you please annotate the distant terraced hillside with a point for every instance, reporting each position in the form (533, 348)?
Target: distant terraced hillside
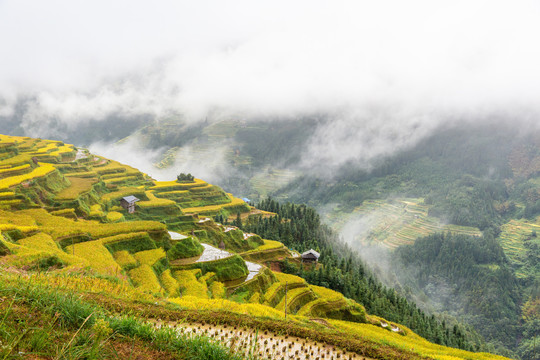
(394, 223)
(63, 229)
(518, 238)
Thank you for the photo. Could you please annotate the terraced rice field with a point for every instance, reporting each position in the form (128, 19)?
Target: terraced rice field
(215, 208)
(263, 344)
(223, 129)
(394, 223)
(253, 269)
(78, 186)
(212, 253)
(270, 180)
(512, 238)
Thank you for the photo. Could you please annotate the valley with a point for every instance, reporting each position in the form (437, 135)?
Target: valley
(464, 181)
(65, 230)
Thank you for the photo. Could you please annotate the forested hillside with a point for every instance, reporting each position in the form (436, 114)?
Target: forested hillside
(299, 227)
(472, 279)
(476, 177)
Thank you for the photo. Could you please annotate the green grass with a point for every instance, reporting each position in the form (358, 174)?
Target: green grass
(185, 248)
(64, 326)
(231, 268)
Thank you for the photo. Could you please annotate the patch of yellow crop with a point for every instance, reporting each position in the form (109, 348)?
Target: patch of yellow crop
(306, 309)
(122, 179)
(411, 341)
(169, 283)
(84, 174)
(145, 279)
(63, 150)
(291, 295)
(325, 293)
(114, 216)
(124, 258)
(48, 148)
(283, 279)
(125, 191)
(268, 245)
(42, 170)
(39, 241)
(255, 298)
(153, 201)
(97, 256)
(174, 192)
(207, 208)
(6, 204)
(78, 186)
(218, 290)
(16, 218)
(192, 302)
(27, 255)
(122, 237)
(95, 210)
(11, 138)
(177, 185)
(149, 257)
(5, 172)
(59, 227)
(190, 285)
(16, 160)
(79, 280)
(65, 212)
(290, 279)
(114, 166)
(21, 228)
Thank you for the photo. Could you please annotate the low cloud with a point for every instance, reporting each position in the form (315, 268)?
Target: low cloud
(207, 164)
(361, 137)
(385, 73)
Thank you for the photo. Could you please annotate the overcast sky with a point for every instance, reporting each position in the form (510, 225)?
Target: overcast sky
(87, 58)
(411, 63)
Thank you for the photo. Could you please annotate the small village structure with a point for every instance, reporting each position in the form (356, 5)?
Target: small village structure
(310, 256)
(128, 203)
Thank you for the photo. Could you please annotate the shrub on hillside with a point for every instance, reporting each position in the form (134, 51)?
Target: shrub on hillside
(185, 177)
(185, 248)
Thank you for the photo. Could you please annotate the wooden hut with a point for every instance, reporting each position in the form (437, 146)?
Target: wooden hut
(310, 256)
(128, 203)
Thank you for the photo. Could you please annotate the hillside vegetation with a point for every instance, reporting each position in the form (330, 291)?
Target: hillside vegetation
(153, 282)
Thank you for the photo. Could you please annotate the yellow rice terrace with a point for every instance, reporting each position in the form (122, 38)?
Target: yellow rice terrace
(154, 271)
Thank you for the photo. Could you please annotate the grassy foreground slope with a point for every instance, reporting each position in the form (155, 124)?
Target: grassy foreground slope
(64, 233)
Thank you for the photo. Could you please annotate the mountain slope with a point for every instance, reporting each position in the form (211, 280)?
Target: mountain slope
(64, 231)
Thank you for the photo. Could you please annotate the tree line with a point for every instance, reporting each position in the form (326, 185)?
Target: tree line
(299, 228)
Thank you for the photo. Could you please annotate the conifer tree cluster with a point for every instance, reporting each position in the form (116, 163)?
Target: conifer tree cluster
(299, 228)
